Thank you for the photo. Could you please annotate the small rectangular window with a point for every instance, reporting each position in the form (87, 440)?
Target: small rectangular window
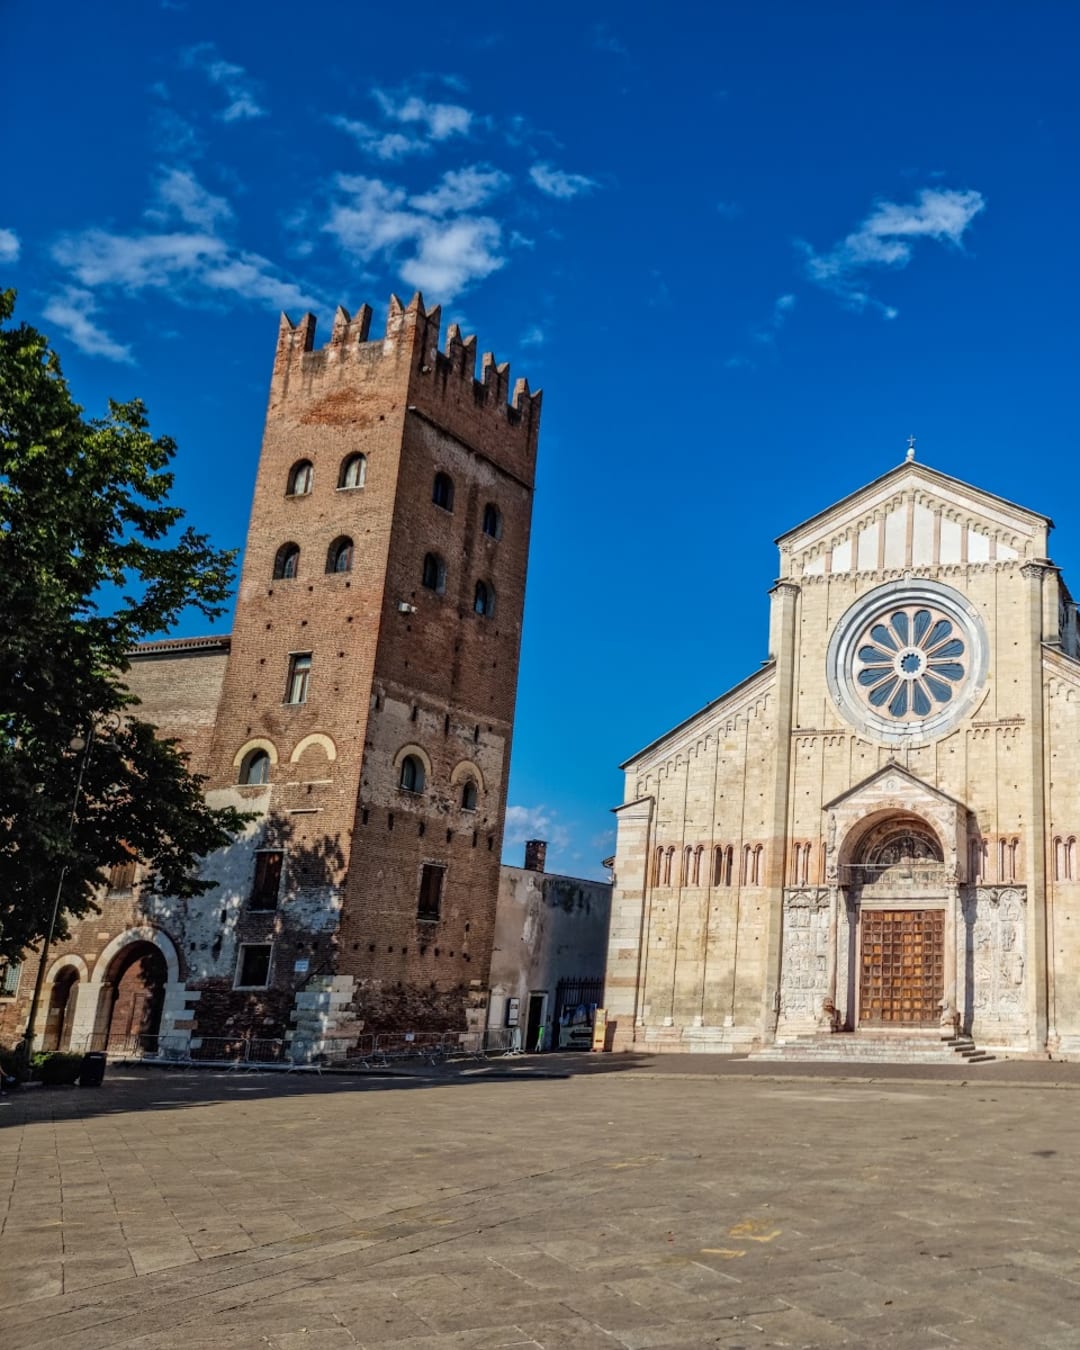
(296, 691)
(122, 876)
(431, 883)
(253, 966)
(9, 978)
(264, 889)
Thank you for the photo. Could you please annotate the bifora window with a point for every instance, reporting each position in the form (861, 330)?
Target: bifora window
(253, 965)
(287, 562)
(412, 774)
(267, 879)
(301, 478)
(296, 690)
(431, 884)
(353, 472)
(255, 768)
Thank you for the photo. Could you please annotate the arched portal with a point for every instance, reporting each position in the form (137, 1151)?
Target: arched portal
(60, 1012)
(132, 996)
(897, 891)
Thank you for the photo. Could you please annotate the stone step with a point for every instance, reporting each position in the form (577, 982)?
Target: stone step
(858, 1049)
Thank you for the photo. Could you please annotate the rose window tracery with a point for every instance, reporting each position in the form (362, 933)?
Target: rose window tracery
(907, 661)
(910, 662)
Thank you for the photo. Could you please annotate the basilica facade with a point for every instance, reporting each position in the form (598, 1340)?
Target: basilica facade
(876, 832)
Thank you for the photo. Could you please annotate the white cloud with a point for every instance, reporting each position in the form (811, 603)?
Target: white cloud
(72, 311)
(782, 307)
(180, 193)
(558, 183)
(886, 238)
(462, 190)
(439, 120)
(9, 246)
(535, 822)
(239, 88)
(532, 337)
(432, 252)
(384, 145)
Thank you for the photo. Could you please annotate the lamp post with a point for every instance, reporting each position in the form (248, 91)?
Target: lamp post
(86, 746)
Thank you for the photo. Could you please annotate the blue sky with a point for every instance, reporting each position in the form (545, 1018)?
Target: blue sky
(746, 249)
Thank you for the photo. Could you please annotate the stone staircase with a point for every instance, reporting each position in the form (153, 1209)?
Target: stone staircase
(863, 1047)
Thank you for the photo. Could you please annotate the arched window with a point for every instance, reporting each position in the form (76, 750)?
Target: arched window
(1010, 858)
(658, 862)
(468, 795)
(697, 864)
(718, 866)
(492, 524)
(804, 871)
(667, 864)
(758, 851)
(796, 863)
(339, 555)
(434, 577)
(687, 863)
(1059, 858)
(287, 562)
(412, 774)
(442, 492)
(301, 477)
(255, 768)
(484, 599)
(353, 472)
(1070, 859)
(747, 859)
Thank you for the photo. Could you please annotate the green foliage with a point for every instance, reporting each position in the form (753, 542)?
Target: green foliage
(55, 1070)
(93, 559)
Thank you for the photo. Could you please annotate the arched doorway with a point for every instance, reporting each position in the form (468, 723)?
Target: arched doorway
(897, 885)
(132, 997)
(61, 1010)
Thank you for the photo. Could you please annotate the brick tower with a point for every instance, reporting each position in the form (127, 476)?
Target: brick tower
(367, 707)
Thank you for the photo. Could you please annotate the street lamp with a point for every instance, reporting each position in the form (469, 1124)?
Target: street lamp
(111, 723)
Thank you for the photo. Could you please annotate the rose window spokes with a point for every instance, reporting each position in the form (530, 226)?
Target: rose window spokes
(910, 662)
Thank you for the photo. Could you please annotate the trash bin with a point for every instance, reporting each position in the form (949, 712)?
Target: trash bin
(92, 1072)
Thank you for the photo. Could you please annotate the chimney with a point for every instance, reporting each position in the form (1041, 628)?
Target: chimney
(535, 854)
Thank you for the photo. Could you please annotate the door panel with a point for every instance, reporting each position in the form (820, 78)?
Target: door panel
(903, 967)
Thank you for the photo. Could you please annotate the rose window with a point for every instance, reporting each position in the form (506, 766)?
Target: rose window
(910, 662)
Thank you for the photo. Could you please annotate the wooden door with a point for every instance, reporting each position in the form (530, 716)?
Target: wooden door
(903, 967)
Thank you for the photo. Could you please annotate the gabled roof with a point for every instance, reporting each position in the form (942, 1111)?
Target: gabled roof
(897, 769)
(743, 687)
(933, 478)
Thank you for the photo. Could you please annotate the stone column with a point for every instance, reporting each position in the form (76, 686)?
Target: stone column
(953, 993)
(782, 649)
(830, 962)
(1041, 581)
(628, 936)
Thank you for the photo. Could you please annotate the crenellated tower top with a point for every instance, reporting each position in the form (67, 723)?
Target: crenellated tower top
(411, 341)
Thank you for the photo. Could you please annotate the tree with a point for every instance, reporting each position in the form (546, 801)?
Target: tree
(93, 560)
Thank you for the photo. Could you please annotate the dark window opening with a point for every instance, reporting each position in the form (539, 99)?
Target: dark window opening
(296, 691)
(468, 796)
(122, 876)
(267, 881)
(431, 883)
(492, 524)
(301, 478)
(255, 768)
(434, 577)
(339, 556)
(353, 472)
(442, 492)
(484, 599)
(253, 968)
(287, 562)
(412, 774)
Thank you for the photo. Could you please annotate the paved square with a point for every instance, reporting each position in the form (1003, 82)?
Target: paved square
(620, 1209)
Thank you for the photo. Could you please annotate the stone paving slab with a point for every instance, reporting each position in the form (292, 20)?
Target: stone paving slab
(633, 1206)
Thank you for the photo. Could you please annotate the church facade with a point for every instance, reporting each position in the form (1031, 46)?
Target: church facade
(875, 833)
